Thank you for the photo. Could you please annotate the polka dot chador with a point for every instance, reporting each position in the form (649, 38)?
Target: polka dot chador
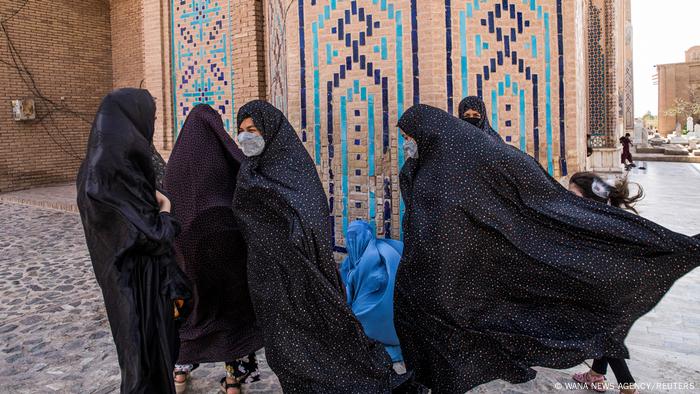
(504, 269)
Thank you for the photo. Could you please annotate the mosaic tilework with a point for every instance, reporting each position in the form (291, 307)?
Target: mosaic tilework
(201, 47)
(510, 53)
(629, 95)
(275, 24)
(357, 72)
(353, 68)
(602, 101)
(628, 87)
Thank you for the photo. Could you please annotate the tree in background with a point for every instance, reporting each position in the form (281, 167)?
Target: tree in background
(683, 108)
(650, 121)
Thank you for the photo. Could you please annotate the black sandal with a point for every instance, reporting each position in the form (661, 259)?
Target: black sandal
(225, 385)
(180, 387)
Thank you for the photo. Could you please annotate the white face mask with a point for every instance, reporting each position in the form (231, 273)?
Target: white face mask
(251, 144)
(410, 148)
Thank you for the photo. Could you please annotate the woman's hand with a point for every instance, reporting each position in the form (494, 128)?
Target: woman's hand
(163, 202)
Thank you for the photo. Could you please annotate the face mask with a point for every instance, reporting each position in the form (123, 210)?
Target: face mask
(410, 147)
(251, 144)
(474, 121)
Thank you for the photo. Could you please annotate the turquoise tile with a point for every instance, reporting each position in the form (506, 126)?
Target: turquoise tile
(494, 110)
(399, 67)
(523, 118)
(384, 49)
(548, 95)
(370, 134)
(463, 51)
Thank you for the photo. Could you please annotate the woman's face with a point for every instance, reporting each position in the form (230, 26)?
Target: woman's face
(248, 126)
(471, 114)
(574, 188)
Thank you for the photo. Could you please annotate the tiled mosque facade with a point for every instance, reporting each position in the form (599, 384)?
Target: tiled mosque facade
(550, 71)
(345, 70)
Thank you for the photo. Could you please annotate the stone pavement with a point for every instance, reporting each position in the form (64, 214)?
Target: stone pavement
(54, 335)
(60, 197)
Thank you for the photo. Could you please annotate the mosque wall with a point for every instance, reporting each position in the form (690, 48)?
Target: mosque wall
(345, 70)
(353, 67)
(126, 17)
(602, 84)
(217, 56)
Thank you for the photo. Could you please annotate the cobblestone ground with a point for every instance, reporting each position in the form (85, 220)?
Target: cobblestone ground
(54, 335)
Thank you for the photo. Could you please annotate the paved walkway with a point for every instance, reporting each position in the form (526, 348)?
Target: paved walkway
(54, 335)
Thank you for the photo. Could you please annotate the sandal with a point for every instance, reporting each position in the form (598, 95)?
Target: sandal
(185, 370)
(225, 386)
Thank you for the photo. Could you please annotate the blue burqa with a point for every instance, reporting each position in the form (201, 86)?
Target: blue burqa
(369, 273)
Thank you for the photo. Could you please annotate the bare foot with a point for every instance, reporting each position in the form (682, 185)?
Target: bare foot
(231, 390)
(181, 377)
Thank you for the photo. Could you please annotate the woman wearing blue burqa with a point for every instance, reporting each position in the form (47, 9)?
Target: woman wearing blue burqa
(368, 273)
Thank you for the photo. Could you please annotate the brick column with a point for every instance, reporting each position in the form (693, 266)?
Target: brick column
(156, 39)
(127, 42)
(248, 52)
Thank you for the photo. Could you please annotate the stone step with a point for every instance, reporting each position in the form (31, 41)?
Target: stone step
(650, 149)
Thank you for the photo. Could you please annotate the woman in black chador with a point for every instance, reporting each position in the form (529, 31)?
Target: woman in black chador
(129, 233)
(313, 342)
(504, 269)
(472, 110)
(201, 180)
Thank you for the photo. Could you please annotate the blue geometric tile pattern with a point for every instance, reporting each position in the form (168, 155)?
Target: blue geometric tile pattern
(202, 70)
(365, 46)
(517, 49)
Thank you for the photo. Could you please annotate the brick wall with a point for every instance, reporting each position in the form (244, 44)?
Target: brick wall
(675, 81)
(157, 68)
(66, 46)
(127, 42)
(141, 57)
(248, 53)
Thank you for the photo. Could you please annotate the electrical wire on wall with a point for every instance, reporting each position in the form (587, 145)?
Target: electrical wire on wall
(52, 107)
